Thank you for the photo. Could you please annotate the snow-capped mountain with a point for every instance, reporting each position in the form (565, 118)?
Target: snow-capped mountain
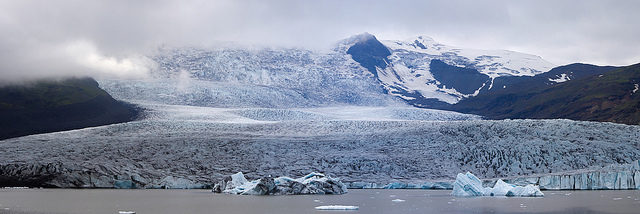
(426, 73)
(493, 63)
(359, 70)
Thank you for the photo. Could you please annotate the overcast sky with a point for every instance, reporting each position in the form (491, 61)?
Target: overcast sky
(51, 38)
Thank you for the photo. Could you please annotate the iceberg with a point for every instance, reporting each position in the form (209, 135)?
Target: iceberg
(337, 207)
(525, 191)
(468, 185)
(313, 183)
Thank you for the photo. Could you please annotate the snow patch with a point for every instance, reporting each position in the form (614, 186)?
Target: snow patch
(410, 60)
(561, 78)
(494, 63)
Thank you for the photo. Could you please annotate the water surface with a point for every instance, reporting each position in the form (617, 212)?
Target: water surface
(39, 201)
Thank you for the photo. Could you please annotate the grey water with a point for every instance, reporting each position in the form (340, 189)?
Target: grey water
(40, 201)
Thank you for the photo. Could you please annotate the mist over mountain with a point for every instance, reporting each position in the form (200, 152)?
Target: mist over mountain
(87, 38)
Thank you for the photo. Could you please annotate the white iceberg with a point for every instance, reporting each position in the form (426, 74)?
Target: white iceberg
(313, 183)
(468, 185)
(337, 207)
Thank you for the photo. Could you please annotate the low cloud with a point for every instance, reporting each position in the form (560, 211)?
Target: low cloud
(86, 55)
(110, 39)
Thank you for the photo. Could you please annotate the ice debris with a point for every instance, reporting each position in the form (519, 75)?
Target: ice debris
(468, 185)
(337, 207)
(313, 183)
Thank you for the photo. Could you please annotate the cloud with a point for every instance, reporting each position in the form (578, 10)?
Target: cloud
(85, 54)
(111, 37)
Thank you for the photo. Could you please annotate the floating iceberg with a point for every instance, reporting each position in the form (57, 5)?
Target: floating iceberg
(313, 183)
(468, 185)
(337, 207)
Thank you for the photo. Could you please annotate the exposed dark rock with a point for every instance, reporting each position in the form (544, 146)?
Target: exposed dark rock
(50, 106)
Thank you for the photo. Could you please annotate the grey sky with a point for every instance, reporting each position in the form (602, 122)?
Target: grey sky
(49, 38)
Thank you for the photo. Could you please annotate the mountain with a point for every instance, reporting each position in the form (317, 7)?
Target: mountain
(557, 75)
(426, 73)
(49, 106)
(497, 84)
(360, 70)
(254, 77)
(595, 95)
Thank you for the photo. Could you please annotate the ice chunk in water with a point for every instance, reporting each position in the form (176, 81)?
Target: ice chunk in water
(337, 207)
(467, 185)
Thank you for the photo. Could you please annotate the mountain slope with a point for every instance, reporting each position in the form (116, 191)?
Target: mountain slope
(612, 97)
(425, 73)
(557, 75)
(49, 106)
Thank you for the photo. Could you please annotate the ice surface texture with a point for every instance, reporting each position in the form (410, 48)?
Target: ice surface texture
(468, 185)
(242, 77)
(186, 147)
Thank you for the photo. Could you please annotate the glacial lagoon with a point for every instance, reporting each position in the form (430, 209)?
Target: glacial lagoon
(370, 201)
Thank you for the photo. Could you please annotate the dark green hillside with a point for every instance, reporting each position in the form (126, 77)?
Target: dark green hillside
(608, 97)
(48, 106)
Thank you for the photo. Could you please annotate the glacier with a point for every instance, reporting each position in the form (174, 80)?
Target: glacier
(610, 177)
(212, 112)
(239, 76)
(468, 185)
(177, 146)
(270, 77)
(312, 183)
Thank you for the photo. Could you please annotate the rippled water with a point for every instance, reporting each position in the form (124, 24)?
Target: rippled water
(369, 201)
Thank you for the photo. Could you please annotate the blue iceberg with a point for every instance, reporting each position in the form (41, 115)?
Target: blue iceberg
(468, 185)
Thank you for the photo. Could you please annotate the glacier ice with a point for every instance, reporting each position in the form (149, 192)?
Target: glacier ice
(312, 183)
(468, 185)
(204, 144)
(525, 191)
(500, 188)
(612, 177)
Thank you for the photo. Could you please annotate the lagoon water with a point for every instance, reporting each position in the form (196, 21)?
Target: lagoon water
(83, 201)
